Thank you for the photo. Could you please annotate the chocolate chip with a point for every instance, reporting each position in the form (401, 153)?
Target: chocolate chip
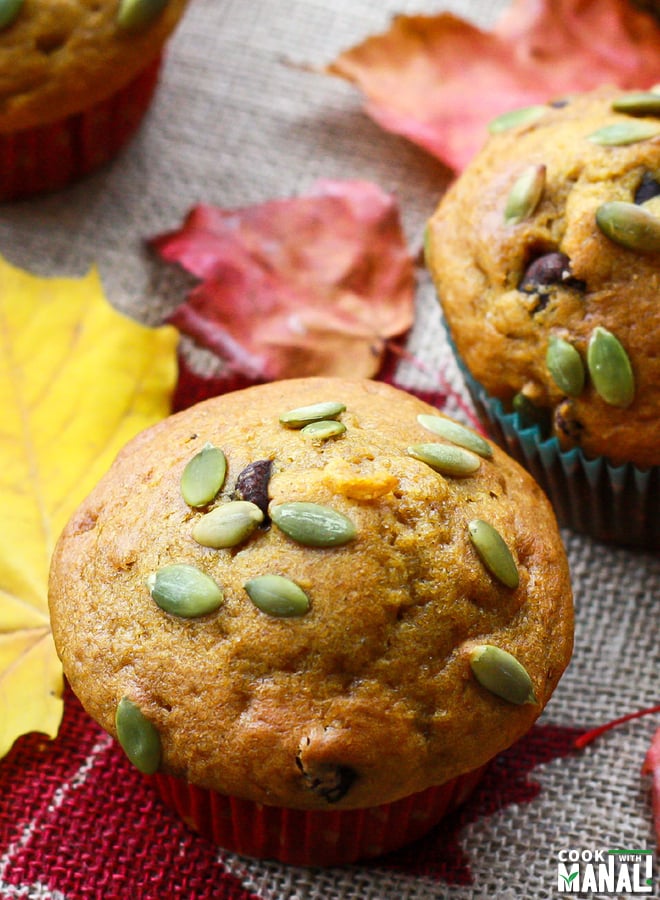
(252, 484)
(332, 782)
(649, 187)
(546, 272)
(567, 423)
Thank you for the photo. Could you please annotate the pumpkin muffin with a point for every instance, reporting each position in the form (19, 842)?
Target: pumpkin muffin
(546, 257)
(315, 601)
(76, 77)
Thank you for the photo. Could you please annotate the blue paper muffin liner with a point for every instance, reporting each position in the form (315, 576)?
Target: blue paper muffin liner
(613, 503)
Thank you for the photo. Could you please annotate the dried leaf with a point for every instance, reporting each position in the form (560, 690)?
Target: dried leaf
(651, 767)
(438, 80)
(305, 286)
(77, 381)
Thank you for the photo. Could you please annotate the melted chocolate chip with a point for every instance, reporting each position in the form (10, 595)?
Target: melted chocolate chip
(328, 781)
(649, 187)
(252, 484)
(567, 423)
(546, 272)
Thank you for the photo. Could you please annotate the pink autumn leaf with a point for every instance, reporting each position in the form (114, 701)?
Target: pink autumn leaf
(651, 767)
(439, 80)
(304, 286)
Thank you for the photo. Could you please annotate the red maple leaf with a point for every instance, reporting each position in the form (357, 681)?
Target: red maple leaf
(438, 80)
(304, 286)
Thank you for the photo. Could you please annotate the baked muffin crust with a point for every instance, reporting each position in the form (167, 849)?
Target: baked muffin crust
(62, 56)
(368, 696)
(508, 287)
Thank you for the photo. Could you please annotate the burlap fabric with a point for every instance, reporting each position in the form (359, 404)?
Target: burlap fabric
(235, 122)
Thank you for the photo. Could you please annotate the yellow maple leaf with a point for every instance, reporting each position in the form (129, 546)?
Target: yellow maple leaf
(77, 381)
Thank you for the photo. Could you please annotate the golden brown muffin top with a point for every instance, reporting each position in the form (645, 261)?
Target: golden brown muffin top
(368, 694)
(521, 263)
(58, 57)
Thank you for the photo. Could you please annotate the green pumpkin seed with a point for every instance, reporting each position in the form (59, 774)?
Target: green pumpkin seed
(501, 674)
(525, 195)
(138, 737)
(515, 117)
(185, 591)
(638, 103)
(277, 596)
(323, 430)
(629, 225)
(565, 365)
(203, 476)
(447, 459)
(494, 552)
(134, 15)
(9, 9)
(619, 134)
(227, 525)
(457, 434)
(610, 369)
(312, 524)
(316, 412)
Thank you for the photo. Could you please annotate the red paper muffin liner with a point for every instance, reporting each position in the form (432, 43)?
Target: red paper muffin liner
(313, 837)
(48, 157)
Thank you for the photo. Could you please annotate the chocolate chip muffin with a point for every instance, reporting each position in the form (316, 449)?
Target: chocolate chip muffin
(546, 257)
(75, 80)
(314, 594)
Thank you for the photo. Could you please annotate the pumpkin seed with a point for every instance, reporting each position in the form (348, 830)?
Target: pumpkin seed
(619, 134)
(565, 365)
(313, 524)
(303, 415)
(227, 525)
(447, 459)
(277, 596)
(184, 590)
(9, 9)
(629, 225)
(638, 103)
(203, 476)
(513, 118)
(525, 195)
(457, 434)
(323, 429)
(502, 674)
(138, 737)
(494, 552)
(136, 14)
(610, 369)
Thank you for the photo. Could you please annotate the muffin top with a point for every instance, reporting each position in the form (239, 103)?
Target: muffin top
(546, 256)
(319, 607)
(58, 57)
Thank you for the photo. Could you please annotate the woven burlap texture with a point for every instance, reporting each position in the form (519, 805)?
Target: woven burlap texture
(240, 117)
